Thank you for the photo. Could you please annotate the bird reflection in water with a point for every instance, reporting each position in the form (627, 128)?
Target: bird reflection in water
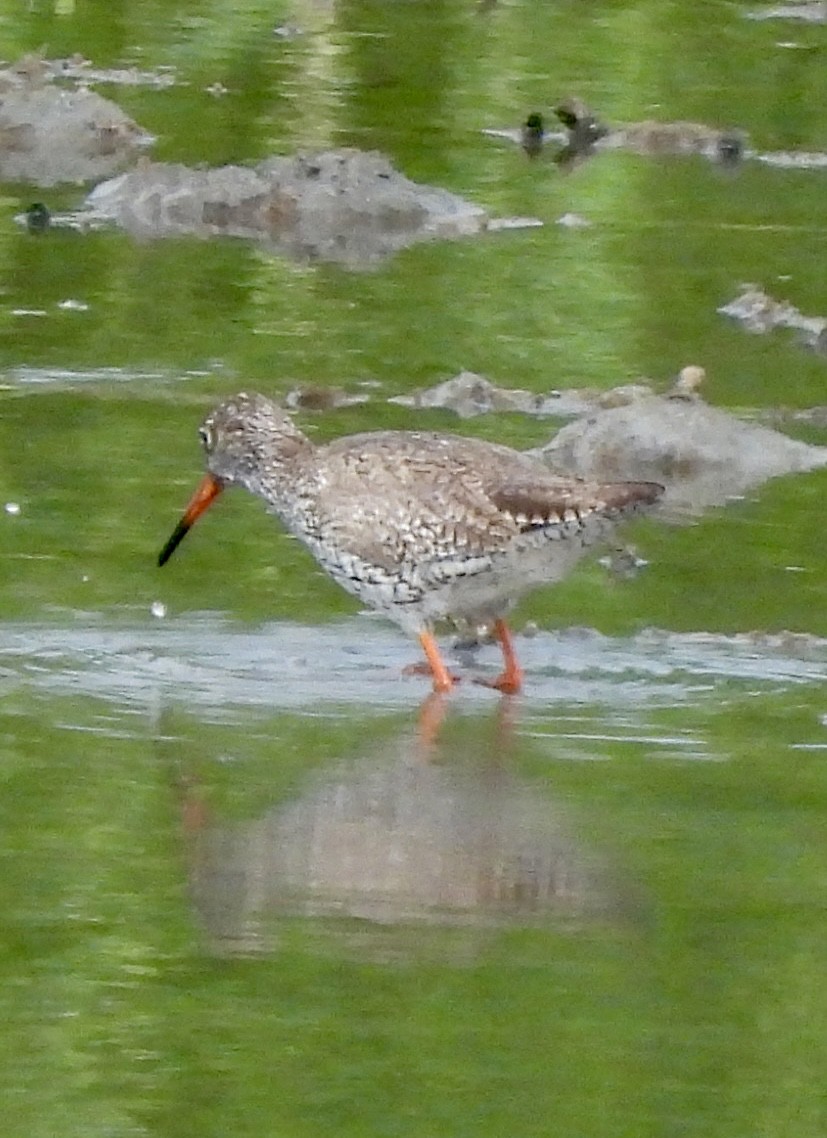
(428, 834)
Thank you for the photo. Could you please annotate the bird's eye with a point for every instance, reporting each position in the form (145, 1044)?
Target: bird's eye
(205, 434)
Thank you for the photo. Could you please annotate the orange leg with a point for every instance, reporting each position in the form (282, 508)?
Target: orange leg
(443, 680)
(510, 680)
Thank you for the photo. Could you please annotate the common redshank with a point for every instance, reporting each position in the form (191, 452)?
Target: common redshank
(420, 526)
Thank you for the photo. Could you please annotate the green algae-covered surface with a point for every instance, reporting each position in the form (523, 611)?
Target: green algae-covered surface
(240, 894)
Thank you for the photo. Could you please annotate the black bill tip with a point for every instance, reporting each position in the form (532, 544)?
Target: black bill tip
(178, 535)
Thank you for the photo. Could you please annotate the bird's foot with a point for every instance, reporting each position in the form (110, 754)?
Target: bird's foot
(508, 683)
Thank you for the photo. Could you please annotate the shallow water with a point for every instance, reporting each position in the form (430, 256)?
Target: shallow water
(245, 888)
(207, 662)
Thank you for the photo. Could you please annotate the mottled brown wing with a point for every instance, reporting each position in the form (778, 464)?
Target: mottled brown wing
(558, 501)
(393, 497)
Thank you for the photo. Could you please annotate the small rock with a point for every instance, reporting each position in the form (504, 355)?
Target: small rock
(469, 394)
(759, 313)
(623, 563)
(573, 221)
(315, 397)
(624, 394)
(158, 609)
(687, 384)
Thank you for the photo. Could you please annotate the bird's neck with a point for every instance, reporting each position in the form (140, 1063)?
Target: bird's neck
(277, 468)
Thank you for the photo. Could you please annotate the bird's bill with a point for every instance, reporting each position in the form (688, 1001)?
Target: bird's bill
(207, 492)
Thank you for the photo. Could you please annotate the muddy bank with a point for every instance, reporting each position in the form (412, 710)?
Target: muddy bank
(584, 135)
(469, 394)
(78, 69)
(51, 134)
(703, 455)
(347, 206)
(759, 313)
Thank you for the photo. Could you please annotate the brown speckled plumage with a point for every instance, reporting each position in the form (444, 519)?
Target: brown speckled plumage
(420, 526)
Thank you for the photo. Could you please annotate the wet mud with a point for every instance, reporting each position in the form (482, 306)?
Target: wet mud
(50, 134)
(345, 206)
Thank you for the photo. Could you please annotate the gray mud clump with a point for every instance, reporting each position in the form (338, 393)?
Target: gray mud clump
(703, 455)
(347, 206)
(51, 134)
